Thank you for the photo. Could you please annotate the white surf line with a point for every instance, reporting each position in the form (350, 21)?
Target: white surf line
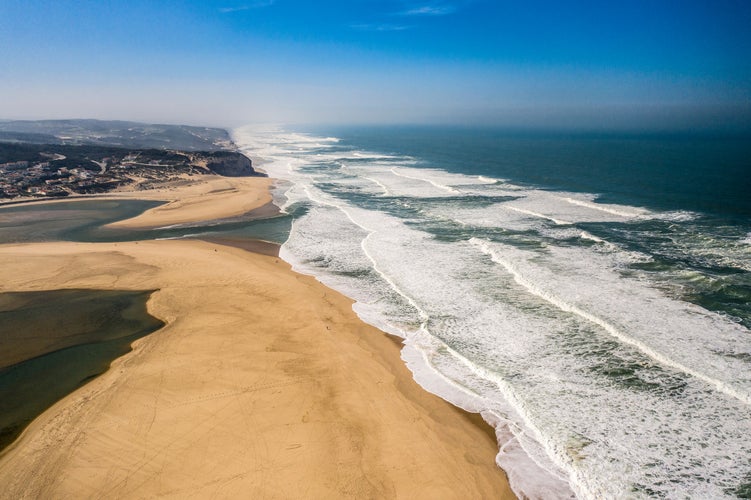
(558, 222)
(374, 156)
(601, 208)
(448, 189)
(424, 317)
(509, 395)
(487, 180)
(386, 191)
(612, 330)
(503, 386)
(586, 235)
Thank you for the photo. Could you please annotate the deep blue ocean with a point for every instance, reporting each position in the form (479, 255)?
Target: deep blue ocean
(699, 172)
(589, 294)
(706, 178)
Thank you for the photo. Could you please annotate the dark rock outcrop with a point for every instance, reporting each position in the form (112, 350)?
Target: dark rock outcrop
(231, 164)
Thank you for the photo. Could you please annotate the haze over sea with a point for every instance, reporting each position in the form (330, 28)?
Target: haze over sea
(590, 294)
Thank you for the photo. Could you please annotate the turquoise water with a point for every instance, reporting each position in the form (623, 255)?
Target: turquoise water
(589, 294)
(84, 220)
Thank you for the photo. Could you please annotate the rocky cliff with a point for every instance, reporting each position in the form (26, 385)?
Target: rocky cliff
(231, 164)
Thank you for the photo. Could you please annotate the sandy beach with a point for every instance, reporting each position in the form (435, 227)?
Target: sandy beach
(262, 384)
(202, 198)
(193, 199)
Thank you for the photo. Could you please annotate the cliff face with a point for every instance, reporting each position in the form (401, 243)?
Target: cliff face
(230, 164)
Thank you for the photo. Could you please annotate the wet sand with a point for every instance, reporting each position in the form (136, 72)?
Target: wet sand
(255, 246)
(205, 198)
(192, 199)
(52, 342)
(36, 323)
(262, 384)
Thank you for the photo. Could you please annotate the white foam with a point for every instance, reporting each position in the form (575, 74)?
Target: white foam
(443, 187)
(677, 216)
(528, 336)
(674, 321)
(589, 236)
(386, 191)
(536, 214)
(488, 180)
(608, 209)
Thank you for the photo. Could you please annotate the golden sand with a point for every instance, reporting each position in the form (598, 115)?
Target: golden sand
(192, 199)
(205, 198)
(263, 384)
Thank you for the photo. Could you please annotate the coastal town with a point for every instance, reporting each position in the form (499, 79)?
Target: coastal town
(61, 158)
(60, 171)
(20, 178)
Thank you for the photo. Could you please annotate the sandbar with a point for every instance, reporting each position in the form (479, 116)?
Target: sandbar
(263, 384)
(205, 198)
(193, 198)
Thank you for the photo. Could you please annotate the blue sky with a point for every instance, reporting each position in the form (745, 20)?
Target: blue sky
(597, 64)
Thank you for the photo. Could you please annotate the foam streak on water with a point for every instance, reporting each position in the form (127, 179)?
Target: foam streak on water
(571, 325)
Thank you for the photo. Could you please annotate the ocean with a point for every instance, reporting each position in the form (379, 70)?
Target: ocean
(588, 294)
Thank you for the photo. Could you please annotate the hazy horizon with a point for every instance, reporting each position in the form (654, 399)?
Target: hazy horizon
(635, 65)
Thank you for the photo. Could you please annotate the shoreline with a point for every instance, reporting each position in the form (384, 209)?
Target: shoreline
(177, 266)
(193, 199)
(52, 342)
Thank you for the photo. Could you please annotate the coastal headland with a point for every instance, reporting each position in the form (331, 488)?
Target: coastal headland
(263, 383)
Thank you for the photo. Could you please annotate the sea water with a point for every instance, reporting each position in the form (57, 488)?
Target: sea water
(87, 221)
(590, 295)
